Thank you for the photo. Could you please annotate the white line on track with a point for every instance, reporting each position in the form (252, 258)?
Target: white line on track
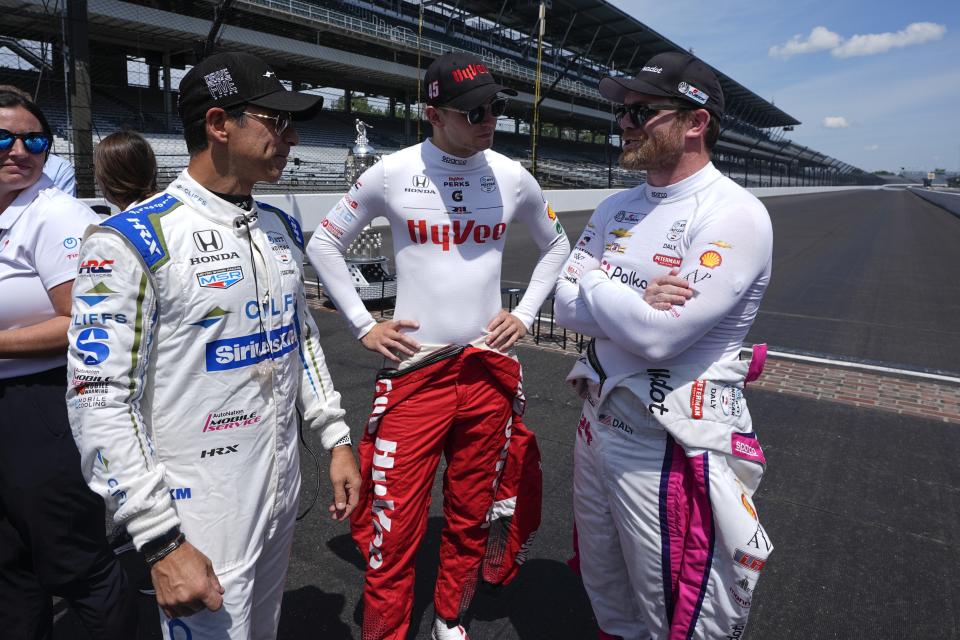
(857, 365)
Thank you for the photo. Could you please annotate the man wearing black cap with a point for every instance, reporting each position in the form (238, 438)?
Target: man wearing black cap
(452, 382)
(194, 358)
(666, 460)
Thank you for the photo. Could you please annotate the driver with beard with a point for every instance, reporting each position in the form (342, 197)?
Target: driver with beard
(666, 460)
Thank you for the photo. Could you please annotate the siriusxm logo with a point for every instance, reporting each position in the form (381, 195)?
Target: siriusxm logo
(234, 353)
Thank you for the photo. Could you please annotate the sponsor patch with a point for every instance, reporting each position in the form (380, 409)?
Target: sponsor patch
(748, 561)
(334, 230)
(627, 216)
(696, 399)
(488, 184)
(92, 345)
(234, 353)
(676, 230)
(710, 259)
(280, 247)
(747, 448)
(220, 278)
(693, 93)
(667, 261)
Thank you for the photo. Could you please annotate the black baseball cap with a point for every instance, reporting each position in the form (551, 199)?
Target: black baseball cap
(231, 79)
(460, 80)
(674, 75)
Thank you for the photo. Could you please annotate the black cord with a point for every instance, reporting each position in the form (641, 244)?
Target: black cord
(316, 465)
(263, 331)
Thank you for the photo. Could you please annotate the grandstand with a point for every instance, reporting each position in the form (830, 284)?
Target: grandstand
(364, 56)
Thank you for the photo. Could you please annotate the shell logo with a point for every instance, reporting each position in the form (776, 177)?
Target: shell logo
(621, 233)
(748, 506)
(710, 259)
(551, 213)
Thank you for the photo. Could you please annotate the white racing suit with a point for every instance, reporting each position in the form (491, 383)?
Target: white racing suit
(666, 465)
(191, 353)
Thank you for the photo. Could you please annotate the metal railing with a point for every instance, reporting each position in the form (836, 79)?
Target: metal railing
(407, 39)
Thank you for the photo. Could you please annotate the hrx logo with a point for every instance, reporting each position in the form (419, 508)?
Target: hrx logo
(218, 451)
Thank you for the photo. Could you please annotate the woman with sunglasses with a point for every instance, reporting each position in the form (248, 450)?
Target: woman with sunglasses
(52, 535)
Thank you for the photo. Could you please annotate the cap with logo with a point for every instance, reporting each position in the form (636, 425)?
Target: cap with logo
(673, 74)
(231, 79)
(461, 81)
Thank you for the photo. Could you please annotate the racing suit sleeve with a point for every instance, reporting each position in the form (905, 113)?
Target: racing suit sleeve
(720, 273)
(337, 230)
(110, 339)
(569, 309)
(318, 401)
(550, 238)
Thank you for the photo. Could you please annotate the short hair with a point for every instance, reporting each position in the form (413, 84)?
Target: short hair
(195, 133)
(125, 167)
(19, 98)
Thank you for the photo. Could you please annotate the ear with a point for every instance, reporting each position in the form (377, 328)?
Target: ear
(216, 125)
(697, 123)
(433, 116)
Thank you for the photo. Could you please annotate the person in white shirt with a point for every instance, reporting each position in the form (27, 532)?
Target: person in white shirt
(452, 384)
(666, 461)
(52, 538)
(59, 170)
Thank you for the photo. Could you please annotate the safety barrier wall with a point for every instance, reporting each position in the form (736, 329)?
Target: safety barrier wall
(312, 207)
(949, 200)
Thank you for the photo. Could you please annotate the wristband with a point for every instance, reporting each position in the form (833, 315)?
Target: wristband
(159, 548)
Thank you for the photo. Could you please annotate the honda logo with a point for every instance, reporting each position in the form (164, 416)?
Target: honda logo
(421, 182)
(208, 241)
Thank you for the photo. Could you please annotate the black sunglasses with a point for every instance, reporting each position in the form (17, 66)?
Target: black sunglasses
(640, 113)
(34, 142)
(478, 114)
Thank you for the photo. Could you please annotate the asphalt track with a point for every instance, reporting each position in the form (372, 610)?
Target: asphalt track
(863, 506)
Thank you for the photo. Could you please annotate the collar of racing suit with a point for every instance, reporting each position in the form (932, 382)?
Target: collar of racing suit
(683, 189)
(209, 204)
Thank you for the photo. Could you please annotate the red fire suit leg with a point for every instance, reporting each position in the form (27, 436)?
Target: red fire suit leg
(461, 406)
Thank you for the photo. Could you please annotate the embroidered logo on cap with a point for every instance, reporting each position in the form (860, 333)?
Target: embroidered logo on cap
(220, 84)
(693, 93)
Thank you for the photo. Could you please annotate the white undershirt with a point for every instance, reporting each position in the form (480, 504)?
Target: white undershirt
(40, 234)
(449, 217)
(715, 231)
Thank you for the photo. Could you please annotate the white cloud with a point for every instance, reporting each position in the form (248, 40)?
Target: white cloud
(874, 43)
(835, 122)
(871, 147)
(820, 39)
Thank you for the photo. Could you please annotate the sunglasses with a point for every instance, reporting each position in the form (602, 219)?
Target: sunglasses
(639, 113)
(34, 142)
(479, 114)
(280, 121)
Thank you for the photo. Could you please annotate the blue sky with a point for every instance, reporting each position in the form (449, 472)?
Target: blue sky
(887, 99)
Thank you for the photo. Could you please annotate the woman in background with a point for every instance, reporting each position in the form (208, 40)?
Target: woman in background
(52, 537)
(125, 169)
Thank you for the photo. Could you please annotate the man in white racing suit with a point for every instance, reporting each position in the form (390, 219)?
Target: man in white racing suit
(456, 392)
(193, 358)
(666, 461)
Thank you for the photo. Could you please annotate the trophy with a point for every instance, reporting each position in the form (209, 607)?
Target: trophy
(367, 266)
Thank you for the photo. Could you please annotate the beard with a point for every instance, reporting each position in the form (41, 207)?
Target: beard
(660, 151)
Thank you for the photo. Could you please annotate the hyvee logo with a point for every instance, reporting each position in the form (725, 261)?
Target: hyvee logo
(208, 240)
(457, 233)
